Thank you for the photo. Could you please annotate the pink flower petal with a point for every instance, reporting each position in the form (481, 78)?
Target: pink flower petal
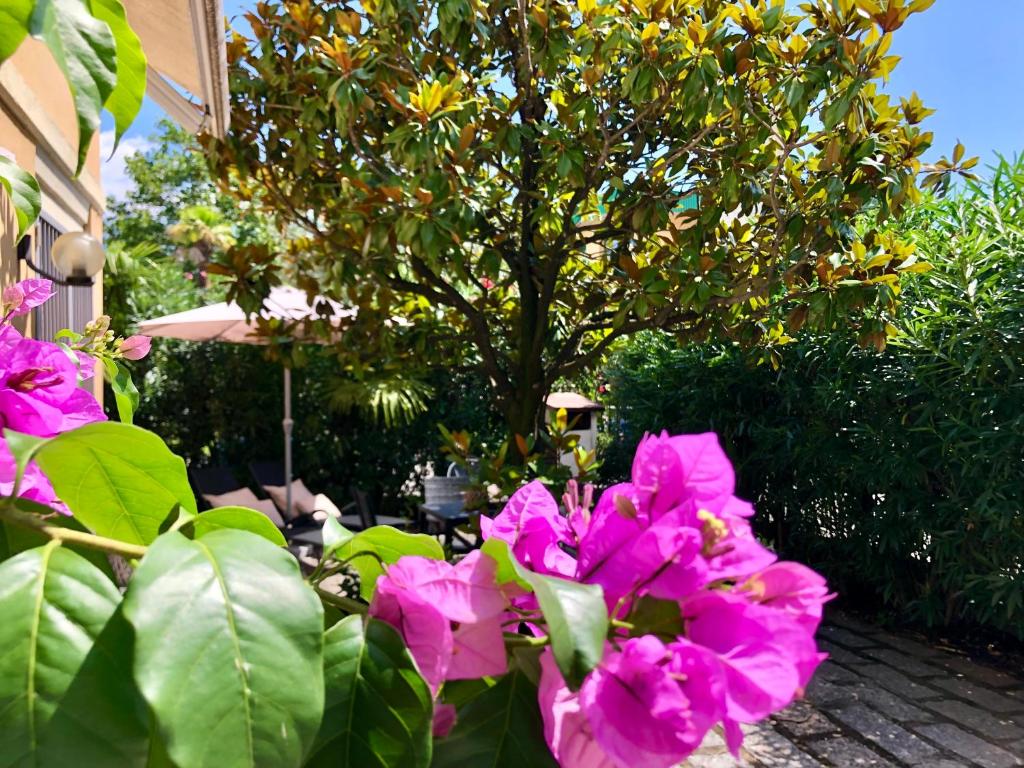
(566, 729)
(478, 651)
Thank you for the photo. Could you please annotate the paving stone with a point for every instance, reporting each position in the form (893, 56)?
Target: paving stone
(766, 748)
(969, 747)
(896, 682)
(1017, 748)
(993, 678)
(913, 647)
(822, 693)
(833, 673)
(904, 663)
(802, 720)
(845, 637)
(890, 704)
(846, 753)
(839, 654)
(886, 734)
(977, 719)
(979, 694)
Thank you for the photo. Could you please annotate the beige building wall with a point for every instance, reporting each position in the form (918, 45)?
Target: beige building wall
(38, 127)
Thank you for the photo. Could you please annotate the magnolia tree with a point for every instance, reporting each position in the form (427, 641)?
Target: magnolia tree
(529, 181)
(589, 635)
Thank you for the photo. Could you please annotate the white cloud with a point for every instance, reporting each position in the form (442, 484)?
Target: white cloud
(116, 182)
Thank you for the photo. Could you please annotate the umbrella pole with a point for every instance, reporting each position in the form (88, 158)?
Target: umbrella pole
(286, 425)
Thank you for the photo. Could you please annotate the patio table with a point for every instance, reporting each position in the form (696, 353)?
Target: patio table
(449, 515)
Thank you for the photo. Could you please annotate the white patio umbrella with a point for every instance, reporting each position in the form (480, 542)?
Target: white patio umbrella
(227, 322)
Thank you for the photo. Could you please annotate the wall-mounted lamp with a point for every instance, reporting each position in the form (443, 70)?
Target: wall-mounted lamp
(75, 254)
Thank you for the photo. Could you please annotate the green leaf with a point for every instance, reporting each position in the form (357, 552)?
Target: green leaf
(125, 100)
(500, 728)
(85, 50)
(21, 187)
(119, 480)
(335, 535)
(388, 544)
(575, 613)
(379, 710)
(126, 394)
(663, 618)
(15, 17)
(508, 568)
(577, 620)
(228, 650)
(66, 692)
(238, 519)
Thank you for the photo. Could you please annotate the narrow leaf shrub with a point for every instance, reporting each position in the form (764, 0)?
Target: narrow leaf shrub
(898, 474)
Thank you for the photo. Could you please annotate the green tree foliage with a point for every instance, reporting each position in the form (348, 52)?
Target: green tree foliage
(519, 178)
(897, 474)
(189, 391)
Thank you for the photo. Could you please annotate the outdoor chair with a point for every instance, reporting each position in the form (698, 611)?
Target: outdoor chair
(368, 517)
(308, 509)
(217, 487)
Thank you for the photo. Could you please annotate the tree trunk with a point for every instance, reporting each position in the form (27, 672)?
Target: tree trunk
(524, 410)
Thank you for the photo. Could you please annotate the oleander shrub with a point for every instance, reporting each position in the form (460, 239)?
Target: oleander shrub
(898, 473)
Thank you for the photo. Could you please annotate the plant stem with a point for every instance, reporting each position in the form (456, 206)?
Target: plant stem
(70, 536)
(513, 641)
(346, 604)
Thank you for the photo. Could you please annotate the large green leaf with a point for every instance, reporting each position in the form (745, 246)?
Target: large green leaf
(119, 480)
(84, 48)
(66, 691)
(500, 728)
(20, 185)
(575, 613)
(383, 544)
(379, 709)
(237, 518)
(125, 100)
(228, 650)
(577, 621)
(15, 17)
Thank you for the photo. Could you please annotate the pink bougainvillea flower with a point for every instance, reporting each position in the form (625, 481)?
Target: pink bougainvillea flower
(767, 657)
(444, 719)
(421, 597)
(792, 588)
(624, 557)
(668, 471)
(34, 484)
(23, 297)
(642, 712)
(729, 546)
(135, 347)
(566, 728)
(39, 392)
(478, 651)
(533, 528)
(427, 633)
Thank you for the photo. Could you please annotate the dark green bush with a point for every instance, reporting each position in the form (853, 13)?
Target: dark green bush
(900, 474)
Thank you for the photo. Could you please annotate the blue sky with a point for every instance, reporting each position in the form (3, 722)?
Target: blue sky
(961, 56)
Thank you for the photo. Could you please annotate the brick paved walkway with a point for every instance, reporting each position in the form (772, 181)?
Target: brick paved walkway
(885, 701)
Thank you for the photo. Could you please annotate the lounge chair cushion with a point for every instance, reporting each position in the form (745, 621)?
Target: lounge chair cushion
(303, 500)
(321, 507)
(243, 497)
